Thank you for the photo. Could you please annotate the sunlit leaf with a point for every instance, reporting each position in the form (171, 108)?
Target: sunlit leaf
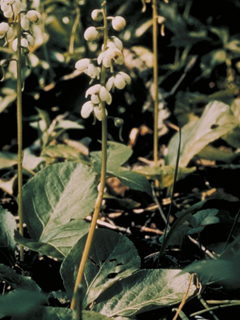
(55, 203)
(112, 257)
(216, 120)
(143, 291)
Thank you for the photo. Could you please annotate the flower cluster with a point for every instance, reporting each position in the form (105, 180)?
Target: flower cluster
(110, 55)
(10, 9)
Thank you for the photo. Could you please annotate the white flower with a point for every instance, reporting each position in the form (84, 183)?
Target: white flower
(11, 7)
(90, 34)
(87, 108)
(92, 71)
(30, 39)
(85, 65)
(118, 43)
(97, 15)
(100, 92)
(93, 90)
(118, 23)
(33, 16)
(81, 65)
(119, 81)
(110, 55)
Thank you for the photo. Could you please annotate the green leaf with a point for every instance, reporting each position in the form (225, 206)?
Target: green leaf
(216, 120)
(64, 151)
(112, 257)
(143, 291)
(7, 243)
(56, 313)
(17, 281)
(204, 218)
(55, 203)
(226, 272)
(20, 303)
(133, 180)
(117, 155)
(164, 174)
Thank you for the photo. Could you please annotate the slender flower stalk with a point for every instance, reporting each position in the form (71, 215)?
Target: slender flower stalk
(155, 79)
(19, 131)
(103, 171)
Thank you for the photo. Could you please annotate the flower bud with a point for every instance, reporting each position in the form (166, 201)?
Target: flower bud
(90, 34)
(33, 16)
(82, 64)
(118, 122)
(118, 23)
(97, 15)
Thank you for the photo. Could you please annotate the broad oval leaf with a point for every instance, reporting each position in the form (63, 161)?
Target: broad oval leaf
(216, 121)
(143, 291)
(112, 257)
(55, 203)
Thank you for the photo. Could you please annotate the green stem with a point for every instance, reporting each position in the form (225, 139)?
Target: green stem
(102, 180)
(155, 79)
(19, 131)
(74, 30)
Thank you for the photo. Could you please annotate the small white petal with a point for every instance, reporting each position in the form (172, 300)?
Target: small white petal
(4, 27)
(110, 83)
(119, 82)
(98, 113)
(17, 6)
(25, 23)
(100, 57)
(82, 64)
(105, 95)
(14, 44)
(107, 62)
(24, 43)
(30, 39)
(86, 110)
(95, 99)
(8, 14)
(97, 15)
(93, 90)
(125, 76)
(118, 43)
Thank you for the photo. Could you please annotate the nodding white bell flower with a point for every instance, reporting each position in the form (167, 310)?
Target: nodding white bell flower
(90, 34)
(5, 31)
(34, 16)
(111, 54)
(99, 91)
(118, 23)
(82, 64)
(98, 113)
(119, 81)
(85, 65)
